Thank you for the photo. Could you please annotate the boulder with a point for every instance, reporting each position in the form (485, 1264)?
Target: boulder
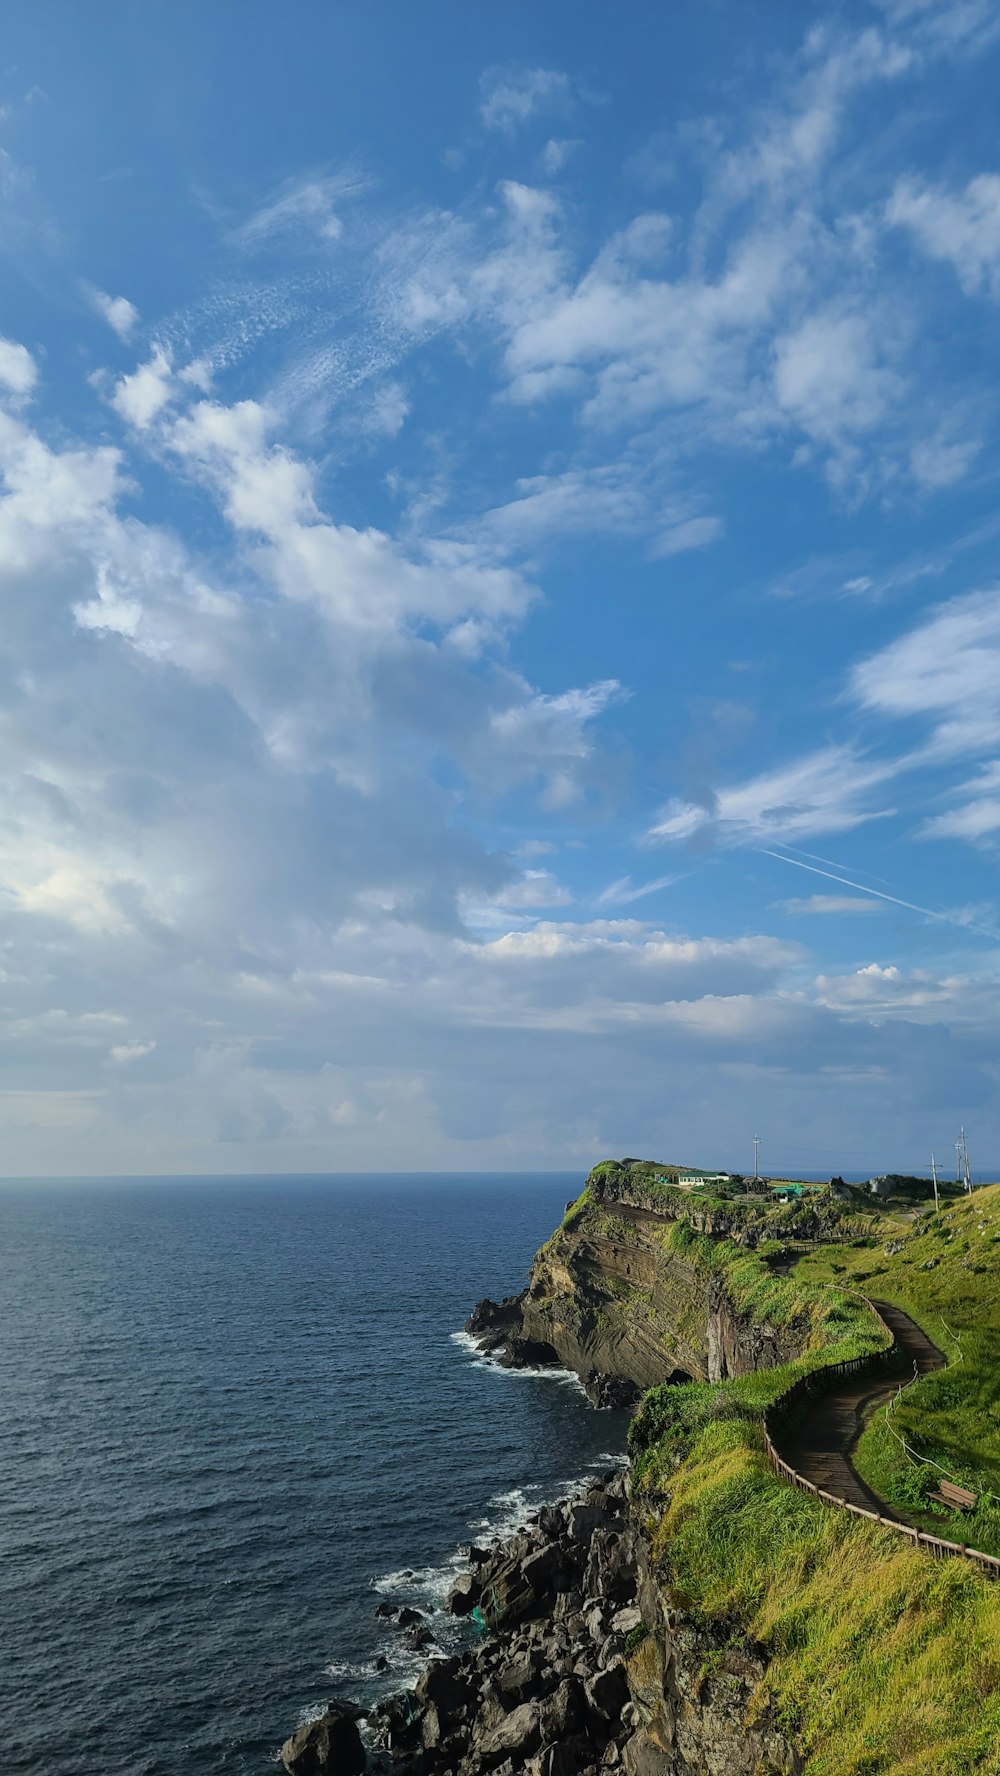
(565, 1759)
(540, 1568)
(495, 1318)
(612, 1391)
(464, 1595)
(329, 1746)
(521, 1677)
(585, 1519)
(641, 1757)
(607, 1693)
(610, 1571)
(447, 1685)
(563, 1712)
(516, 1736)
(507, 1597)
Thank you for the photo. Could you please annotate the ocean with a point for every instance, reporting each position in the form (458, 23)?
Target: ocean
(235, 1415)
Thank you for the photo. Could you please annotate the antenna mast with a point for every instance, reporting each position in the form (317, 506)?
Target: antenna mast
(756, 1158)
(937, 1203)
(967, 1177)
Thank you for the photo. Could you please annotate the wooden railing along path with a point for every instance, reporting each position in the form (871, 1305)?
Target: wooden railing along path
(820, 1382)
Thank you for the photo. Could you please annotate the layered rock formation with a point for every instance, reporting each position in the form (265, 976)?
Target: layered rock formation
(614, 1298)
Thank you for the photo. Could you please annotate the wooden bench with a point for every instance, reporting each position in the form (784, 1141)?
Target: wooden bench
(957, 1498)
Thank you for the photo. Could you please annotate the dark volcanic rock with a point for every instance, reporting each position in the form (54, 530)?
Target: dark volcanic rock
(330, 1746)
(492, 1320)
(464, 1595)
(560, 1686)
(612, 1390)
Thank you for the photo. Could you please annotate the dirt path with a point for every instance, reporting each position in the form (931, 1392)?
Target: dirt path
(819, 1445)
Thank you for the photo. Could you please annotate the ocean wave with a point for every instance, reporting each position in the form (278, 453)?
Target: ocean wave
(532, 1372)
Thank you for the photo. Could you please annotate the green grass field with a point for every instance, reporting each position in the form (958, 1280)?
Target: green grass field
(883, 1662)
(943, 1270)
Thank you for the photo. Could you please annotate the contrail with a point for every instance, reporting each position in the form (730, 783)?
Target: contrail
(831, 861)
(911, 906)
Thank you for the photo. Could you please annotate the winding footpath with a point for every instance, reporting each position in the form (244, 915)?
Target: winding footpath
(819, 1445)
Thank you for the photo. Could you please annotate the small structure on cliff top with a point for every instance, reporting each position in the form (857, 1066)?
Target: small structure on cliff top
(697, 1180)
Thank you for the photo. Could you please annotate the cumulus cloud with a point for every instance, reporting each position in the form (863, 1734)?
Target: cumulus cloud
(142, 395)
(118, 311)
(18, 371)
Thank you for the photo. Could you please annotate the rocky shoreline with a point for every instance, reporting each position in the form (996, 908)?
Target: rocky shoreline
(584, 1660)
(543, 1689)
(581, 1665)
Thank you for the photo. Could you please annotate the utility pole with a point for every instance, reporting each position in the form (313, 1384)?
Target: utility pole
(967, 1176)
(937, 1203)
(958, 1162)
(756, 1158)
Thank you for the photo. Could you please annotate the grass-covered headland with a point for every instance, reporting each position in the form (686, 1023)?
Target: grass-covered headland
(883, 1662)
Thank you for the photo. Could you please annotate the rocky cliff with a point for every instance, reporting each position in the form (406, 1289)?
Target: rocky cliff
(622, 1296)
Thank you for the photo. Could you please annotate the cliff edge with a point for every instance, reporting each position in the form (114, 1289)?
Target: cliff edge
(628, 1292)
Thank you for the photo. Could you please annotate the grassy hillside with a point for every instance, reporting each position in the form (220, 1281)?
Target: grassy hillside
(883, 1662)
(944, 1270)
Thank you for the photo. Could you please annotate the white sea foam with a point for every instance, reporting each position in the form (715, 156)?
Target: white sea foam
(532, 1372)
(426, 1587)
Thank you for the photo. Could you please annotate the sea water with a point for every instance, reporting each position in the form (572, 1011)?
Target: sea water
(234, 1416)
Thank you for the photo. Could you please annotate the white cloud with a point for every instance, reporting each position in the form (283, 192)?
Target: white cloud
(118, 311)
(962, 229)
(690, 533)
(624, 891)
(830, 903)
(827, 375)
(605, 499)
(387, 414)
(303, 207)
(124, 1053)
(825, 791)
(141, 396)
(551, 736)
(557, 154)
(946, 668)
(18, 371)
(977, 814)
(942, 460)
(512, 97)
(886, 989)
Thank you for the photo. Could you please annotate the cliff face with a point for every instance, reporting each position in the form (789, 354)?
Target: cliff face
(614, 1297)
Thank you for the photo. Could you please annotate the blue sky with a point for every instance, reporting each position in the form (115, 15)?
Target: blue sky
(501, 646)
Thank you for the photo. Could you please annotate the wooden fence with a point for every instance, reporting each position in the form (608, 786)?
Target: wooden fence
(821, 1381)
